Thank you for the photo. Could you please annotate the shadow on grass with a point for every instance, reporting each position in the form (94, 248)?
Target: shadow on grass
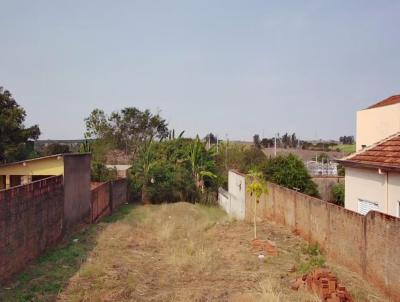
(48, 275)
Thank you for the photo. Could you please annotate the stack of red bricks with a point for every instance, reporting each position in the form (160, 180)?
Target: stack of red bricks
(264, 246)
(322, 282)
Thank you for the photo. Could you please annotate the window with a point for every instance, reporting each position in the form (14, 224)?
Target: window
(364, 206)
(398, 209)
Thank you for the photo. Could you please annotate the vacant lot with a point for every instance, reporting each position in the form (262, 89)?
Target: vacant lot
(175, 252)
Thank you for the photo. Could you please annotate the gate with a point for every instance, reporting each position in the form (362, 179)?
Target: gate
(100, 201)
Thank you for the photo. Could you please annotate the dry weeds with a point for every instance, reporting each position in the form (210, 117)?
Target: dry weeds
(185, 252)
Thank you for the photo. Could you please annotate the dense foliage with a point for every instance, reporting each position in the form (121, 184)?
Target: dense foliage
(127, 129)
(173, 170)
(100, 173)
(55, 148)
(338, 191)
(238, 157)
(14, 136)
(289, 171)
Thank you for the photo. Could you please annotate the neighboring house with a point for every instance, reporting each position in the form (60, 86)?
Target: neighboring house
(373, 178)
(75, 169)
(378, 122)
(122, 170)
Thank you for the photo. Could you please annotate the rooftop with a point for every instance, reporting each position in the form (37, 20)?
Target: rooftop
(385, 155)
(395, 99)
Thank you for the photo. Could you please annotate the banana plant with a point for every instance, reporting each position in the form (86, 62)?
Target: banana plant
(198, 157)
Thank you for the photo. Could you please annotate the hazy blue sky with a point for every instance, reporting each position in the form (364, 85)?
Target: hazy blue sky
(236, 67)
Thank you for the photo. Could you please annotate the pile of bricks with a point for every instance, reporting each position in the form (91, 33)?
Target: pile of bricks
(322, 282)
(264, 246)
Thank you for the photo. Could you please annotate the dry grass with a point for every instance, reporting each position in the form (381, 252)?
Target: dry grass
(185, 252)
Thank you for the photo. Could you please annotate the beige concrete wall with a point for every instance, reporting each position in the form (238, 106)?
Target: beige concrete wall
(374, 125)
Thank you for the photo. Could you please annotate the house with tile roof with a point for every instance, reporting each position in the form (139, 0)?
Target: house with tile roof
(378, 122)
(372, 178)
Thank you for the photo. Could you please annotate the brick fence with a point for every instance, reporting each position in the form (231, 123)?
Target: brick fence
(107, 196)
(31, 220)
(368, 245)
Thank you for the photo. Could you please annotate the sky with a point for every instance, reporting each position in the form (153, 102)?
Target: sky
(233, 68)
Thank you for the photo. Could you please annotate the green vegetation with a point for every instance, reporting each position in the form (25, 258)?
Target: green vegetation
(15, 139)
(314, 259)
(100, 173)
(348, 149)
(338, 192)
(289, 171)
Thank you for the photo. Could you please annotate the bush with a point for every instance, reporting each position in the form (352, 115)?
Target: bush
(338, 194)
(289, 171)
(100, 173)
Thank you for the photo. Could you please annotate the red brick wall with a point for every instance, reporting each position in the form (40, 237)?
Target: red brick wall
(369, 245)
(31, 220)
(119, 190)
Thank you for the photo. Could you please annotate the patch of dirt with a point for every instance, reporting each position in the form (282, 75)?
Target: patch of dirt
(185, 252)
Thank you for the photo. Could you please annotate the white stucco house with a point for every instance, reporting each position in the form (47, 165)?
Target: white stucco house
(372, 179)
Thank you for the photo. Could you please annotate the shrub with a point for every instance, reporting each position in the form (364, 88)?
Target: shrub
(289, 171)
(338, 194)
(100, 173)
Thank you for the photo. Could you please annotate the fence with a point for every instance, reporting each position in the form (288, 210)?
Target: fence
(31, 220)
(369, 245)
(106, 197)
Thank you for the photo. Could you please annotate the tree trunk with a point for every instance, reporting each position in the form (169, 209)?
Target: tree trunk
(145, 196)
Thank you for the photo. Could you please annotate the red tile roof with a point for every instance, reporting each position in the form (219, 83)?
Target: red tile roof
(395, 99)
(385, 154)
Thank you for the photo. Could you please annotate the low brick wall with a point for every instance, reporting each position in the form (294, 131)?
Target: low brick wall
(31, 220)
(368, 245)
(119, 191)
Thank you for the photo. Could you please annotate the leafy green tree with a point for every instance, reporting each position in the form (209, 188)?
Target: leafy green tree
(127, 129)
(14, 136)
(289, 171)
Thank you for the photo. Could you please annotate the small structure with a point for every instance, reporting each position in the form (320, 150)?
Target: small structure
(75, 172)
(122, 170)
(372, 178)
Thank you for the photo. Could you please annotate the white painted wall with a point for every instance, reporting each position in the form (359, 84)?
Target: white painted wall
(376, 124)
(394, 194)
(368, 184)
(233, 200)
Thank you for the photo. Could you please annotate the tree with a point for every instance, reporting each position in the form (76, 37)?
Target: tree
(200, 160)
(210, 139)
(347, 140)
(289, 171)
(257, 141)
(14, 136)
(256, 188)
(55, 148)
(127, 129)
